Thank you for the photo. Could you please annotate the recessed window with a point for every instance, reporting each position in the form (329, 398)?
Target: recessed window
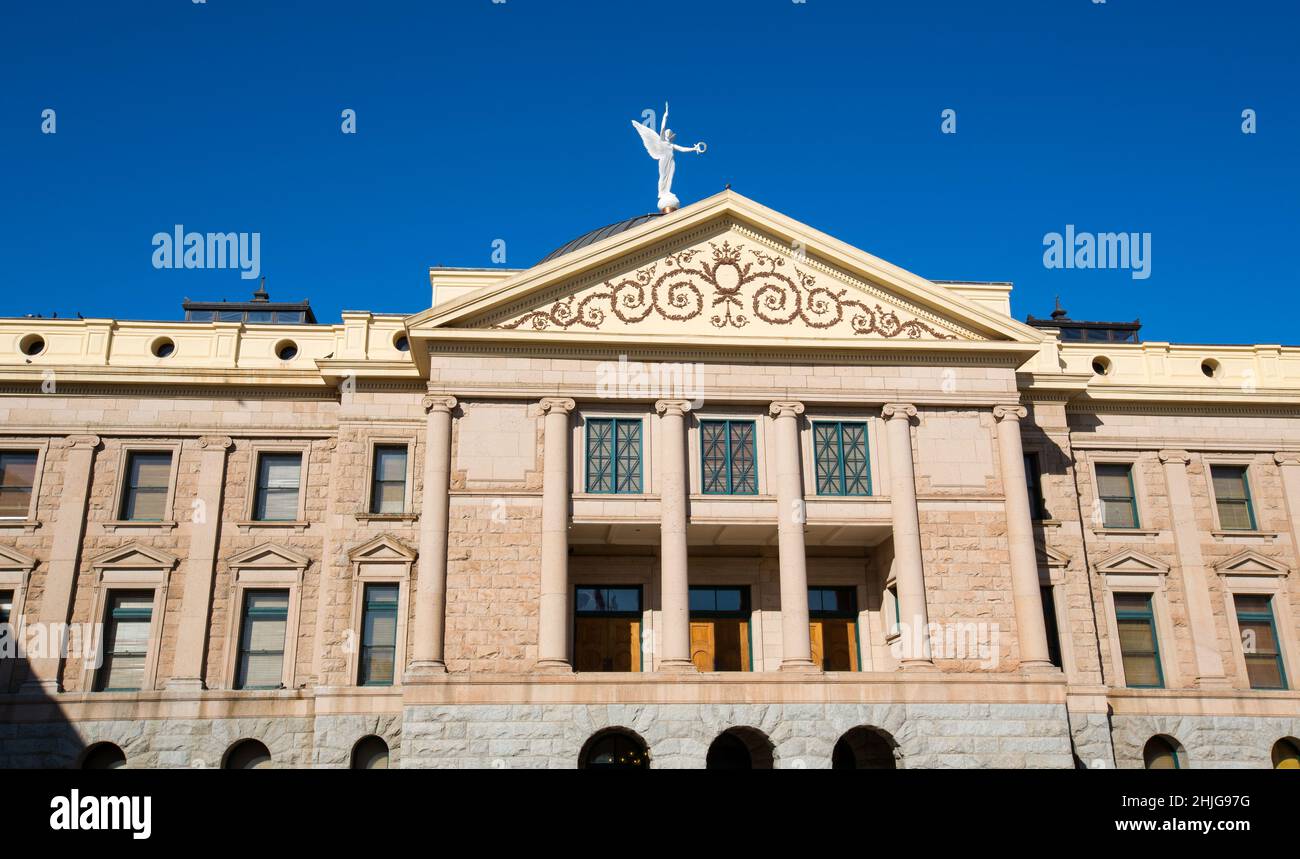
(1034, 483)
(728, 452)
(614, 455)
(261, 640)
(719, 618)
(388, 489)
(279, 477)
(840, 453)
(1117, 495)
(126, 642)
(1259, 642)
(833, 628)
(32, 345)
(103, 756)
(370, 753)
(17, 477)
(163, 347)
(1232, 497)
(286, 350)
(248, 755)
(1210, 368)
(607, 628)
(401, 344)
(1286, 755)
(144, 495)
(1160, 753)
(1101, 366)
(378, 635)
(1139, 646)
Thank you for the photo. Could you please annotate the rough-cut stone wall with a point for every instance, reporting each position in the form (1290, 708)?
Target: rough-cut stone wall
(1207, 741)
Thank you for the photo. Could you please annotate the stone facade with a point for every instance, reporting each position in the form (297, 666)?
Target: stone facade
(492, 398)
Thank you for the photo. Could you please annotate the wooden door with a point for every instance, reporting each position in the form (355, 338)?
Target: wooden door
(839, 645)
(607, 644)
(731, 645)
(702, 644)
(815, 639)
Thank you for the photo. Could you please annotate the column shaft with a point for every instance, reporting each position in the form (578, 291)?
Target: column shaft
(553, 619)
(796, 648)
(428, 654)
(674, 580)
(909, 573)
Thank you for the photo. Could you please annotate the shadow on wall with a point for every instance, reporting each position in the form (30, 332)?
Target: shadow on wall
(35, 733)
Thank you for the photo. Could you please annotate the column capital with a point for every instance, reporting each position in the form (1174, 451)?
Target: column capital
(892, 411)
(1181, 457)
(785, 409)
(434, 403)
(1290, 457)
(80, 442)
(672, 407)
(218, 442)
(1012, 412)
(562, 405)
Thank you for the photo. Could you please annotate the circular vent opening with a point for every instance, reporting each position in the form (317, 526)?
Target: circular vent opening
(401, 344)
(163, 347)
(1101, 365)
(32, 345)
(1211, 368)
(286, 350)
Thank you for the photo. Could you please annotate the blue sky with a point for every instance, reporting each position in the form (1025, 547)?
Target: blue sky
(479, 121)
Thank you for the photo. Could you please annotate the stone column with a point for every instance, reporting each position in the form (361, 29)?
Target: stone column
(1196, 590)
(553, 619)
(428, 654)
(1032, 629)
(65, 551)
(909, 574)
(674, 581)
(796, 649)
(200, 566)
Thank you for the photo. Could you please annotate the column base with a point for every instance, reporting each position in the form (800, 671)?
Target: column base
(919, 665)
(552, 666)
(185, 684)
(677, 666)
(424, 671)
(800, 666)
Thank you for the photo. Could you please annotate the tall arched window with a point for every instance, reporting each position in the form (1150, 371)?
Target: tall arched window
(614, 748)
(103, 756)
(740, 749)
(864, 749)
(1162, 753)
(370, 753)
(247, 755)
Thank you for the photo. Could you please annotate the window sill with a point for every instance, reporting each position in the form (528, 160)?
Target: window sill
(132, 524)
(28, 525)
(1047, 523)
(1252, 536)
(1126, 532)
(247, 526)
(387, 517)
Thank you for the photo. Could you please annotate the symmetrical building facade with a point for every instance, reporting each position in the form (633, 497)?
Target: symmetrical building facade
(706, 488)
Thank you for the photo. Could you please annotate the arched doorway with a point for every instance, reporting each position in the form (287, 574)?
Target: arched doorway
(1163, 753)
(740, 749)
(103, 756)
(614, 749)
(864, 748)
(370, 753)
(247, 755)
(1286, 755)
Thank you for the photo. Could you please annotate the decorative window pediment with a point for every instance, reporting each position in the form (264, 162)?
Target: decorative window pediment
(269, 556)
(1051, 558)
(12, 560)
(1250, 563)
(1132, 563)
(134, 557)
(383, 549)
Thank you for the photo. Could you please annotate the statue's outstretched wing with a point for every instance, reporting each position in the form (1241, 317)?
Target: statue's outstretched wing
(653, 142)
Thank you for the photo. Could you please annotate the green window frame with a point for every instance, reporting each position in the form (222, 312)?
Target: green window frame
(262, 637)
(842, 456)
(719, 601)
(728, 460)
(1123, 506)
(388, 480)
(1034, 483)
(279, 480)
(126, 641)
(148, 479)
(1138, 640)
(378, 635)
(1232, 497)
(1265, 668)
(607, 601)
(614, 456)
(17, 477)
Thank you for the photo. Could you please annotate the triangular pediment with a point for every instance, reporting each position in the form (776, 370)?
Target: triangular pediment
(1250, 563)
(724, 269)
(1132, 563)
(269, 556)
(1049, 557)
(12, 559)
(135, 556)
(385, 548)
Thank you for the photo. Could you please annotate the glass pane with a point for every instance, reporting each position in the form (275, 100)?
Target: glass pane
(713, 443)
(150, 470)
(1141, 670)
(600, 476)
(377, 664)
(728, 599)
(17, 469)
(623, 599)
(1264, 672)
(744, 478)
(1252, 604)
(122, 672)
(1119, 514)
(1229, 482)
(268, 601)
(264, 670)
(281, 470)
(390, 464)
(629, 456)
(6, 605)
(390, 498)
(145, 505)
(1234, 515)
(264, 634)
(278, 480)
(826, 453)
(814, 599)
(1136, 636)
(703, 599)
(1257, 636)
(1113, 481)
(1133, 602)
(857, 478)
(15, 502)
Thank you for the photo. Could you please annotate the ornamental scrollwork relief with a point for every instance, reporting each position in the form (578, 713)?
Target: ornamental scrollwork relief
(735, 287)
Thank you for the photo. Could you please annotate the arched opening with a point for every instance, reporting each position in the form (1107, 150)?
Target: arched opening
(1163, 753)
(103, 756)
(740, 749)
(1286, 754)
(247, 755)
(864, 749)
(614, 749)
(370, 753)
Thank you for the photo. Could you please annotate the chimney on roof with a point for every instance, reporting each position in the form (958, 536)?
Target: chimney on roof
(261, 294)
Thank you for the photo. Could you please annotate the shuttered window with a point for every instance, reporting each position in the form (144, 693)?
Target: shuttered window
(388, 491)
(1118, 500)
(1259, 641)
(144, 497)
(1138, 642)
(126, 641)
(614, 455)
(840, 453)
(1232, 497)
(278, 480)
(261, 640)
(727, 450)
(17, 476)
(378, 635)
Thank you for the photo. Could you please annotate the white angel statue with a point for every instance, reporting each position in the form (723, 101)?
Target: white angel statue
(661, 147)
